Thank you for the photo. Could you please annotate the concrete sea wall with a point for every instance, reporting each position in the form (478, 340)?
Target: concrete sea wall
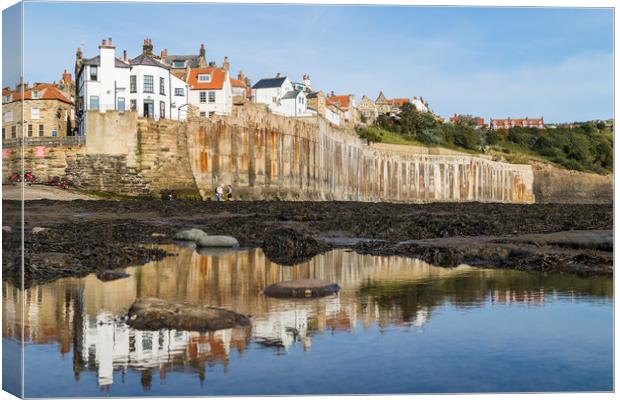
(265, 156)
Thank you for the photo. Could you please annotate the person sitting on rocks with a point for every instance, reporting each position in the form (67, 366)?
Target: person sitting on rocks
(219, 192)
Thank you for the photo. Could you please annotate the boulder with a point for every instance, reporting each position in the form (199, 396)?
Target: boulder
(286, 246)
(38, 229)
(301, 288)
(111, 275)
(217, 241)
(193, 235)
(156, 314)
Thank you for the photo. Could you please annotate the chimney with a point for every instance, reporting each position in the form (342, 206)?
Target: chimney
(124, 55)
(66, 77)
(240, 76)
(164, 54)
(226, 64)
(109, 41)
(147, 47)
(331, 94)
(277, 74)
(203, 52)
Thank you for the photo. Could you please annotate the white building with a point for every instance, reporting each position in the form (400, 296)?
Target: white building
(143, 84)
(281, 97)
(210, 91)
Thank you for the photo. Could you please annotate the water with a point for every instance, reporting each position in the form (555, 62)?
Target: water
(397, 326)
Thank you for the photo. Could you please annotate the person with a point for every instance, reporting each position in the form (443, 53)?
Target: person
(219, 192)
(229, 193)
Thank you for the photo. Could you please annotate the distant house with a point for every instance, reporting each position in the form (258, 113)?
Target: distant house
(210, 91)
(143, 84)
(241, 89)
(180, 65)
(346, 103)
(44, 111)
(281, 96)
(392, 106)
(478, 121)
(368, 109)
(517, 122)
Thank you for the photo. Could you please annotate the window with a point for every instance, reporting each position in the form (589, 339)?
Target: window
(162, 86)
(148, 83)
(3, 133)
(14, 131)
(93, 72)
(54, 133)
(162, 109)
(35, 113)
(121, 104)
(8, 116)
(211, 113)
(273, 99)
(29, 130)
(203, 97)
(204, 78)
(133, 86)
(203, 113)
(179, 91)
(94, 103)
(211, 97)
(35, 94)
(178, 64)
(41, 129)
(133, 105)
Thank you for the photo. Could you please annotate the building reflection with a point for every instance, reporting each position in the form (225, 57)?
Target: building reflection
(86, 316)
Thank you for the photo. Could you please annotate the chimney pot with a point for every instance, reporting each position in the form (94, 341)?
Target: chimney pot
(110, 41)
(277, 74)
(103, 42)
(125, 55)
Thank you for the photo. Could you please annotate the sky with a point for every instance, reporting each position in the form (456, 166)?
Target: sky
(490, 62)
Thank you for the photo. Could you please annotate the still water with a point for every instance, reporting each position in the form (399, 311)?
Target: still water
(397, 326)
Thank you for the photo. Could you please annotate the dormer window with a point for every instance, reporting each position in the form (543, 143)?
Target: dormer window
(35, 94)
(178, 63)
(204, 78)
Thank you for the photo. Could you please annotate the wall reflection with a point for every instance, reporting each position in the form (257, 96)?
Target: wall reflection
(84, 315)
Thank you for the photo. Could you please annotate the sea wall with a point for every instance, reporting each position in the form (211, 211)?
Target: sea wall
(265, 156)
(558, 185)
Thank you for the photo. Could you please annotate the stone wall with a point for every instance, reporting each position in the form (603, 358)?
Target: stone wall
(265, 156)
(558, 185)
(268, 156)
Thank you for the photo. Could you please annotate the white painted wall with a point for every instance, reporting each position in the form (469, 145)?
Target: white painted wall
(223, 99)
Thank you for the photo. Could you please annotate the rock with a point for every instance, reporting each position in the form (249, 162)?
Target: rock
(111, 275)
(155, 234)
(217, 241)
(302, 288)
(7, 229)
(286, 246)
(155, 314)
(38, 229)
(193, 235)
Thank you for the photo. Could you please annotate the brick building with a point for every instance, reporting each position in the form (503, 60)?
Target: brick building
(476, 120)
(517, 122)
(47, 111)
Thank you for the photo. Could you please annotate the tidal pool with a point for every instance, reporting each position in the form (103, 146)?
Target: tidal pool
(397, 326)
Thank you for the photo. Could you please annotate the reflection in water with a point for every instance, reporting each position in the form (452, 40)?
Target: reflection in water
(84, 315)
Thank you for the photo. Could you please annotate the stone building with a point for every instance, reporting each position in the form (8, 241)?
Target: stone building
(392, 106)
(346, 103)
(367, 110)
(478, 121)
(180, 65)
(517, 122)
(47, 111)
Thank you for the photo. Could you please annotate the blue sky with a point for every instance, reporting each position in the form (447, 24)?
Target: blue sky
(492, 62)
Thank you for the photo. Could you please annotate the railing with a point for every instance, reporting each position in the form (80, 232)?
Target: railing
(47, 141)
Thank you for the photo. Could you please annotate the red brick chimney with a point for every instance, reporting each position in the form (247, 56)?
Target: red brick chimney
(66, 76)
(164, 54)
(124, 55)
(226, 64)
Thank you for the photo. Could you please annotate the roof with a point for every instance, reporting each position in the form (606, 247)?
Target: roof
(193, 61)
(269, 83)
(518, 121)
(118, 63)
(47, 91)
(398, 102)
(341, 101)
(217, 78)
(237, 83)
(291, 94)
(145, 59)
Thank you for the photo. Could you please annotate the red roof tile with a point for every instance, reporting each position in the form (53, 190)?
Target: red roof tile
(340, 101)
(217, 78)
(47, 91)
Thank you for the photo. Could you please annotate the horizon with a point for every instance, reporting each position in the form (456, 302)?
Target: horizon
(489, 62)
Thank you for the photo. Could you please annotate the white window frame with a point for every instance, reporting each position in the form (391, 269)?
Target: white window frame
(205, 78)
(212, 97)
(179, 91)
(202, 97)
